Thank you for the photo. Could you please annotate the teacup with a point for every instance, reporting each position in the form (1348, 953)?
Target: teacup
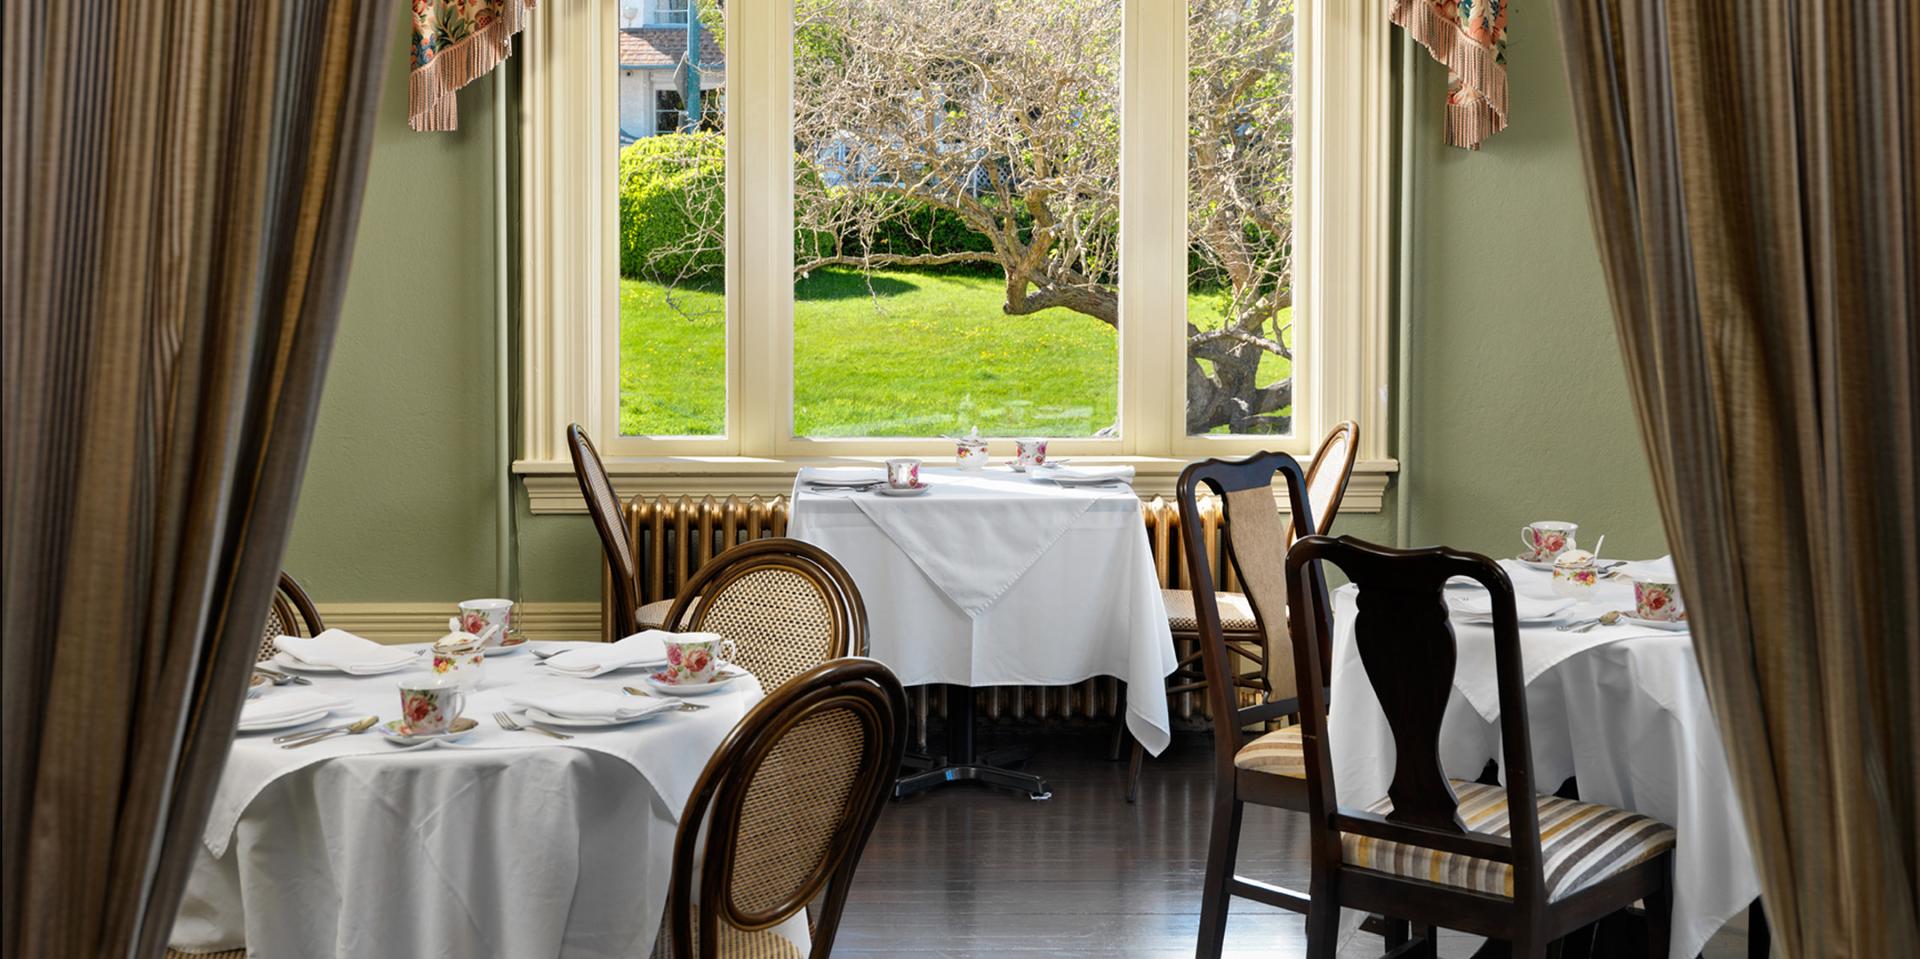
(694, 658)
(1547, 539)
(429, 706)
(1029, 453)
(903, 473)
(477, 614)
(1658, 601)
(459, 657)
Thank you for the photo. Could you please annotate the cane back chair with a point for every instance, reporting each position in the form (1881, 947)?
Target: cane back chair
(782, 813)
(291, 614)
(629, 614)
(785, 604)
(1503, 862)
(1326, 481)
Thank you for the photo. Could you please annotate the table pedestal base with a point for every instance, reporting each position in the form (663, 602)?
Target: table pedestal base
(962, 764)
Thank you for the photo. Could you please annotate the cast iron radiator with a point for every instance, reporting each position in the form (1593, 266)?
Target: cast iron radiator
(674, 536)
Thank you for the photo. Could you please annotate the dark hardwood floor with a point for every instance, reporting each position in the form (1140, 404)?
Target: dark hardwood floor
(964, 872)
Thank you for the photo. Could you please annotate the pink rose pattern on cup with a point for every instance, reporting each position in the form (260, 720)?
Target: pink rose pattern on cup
(1547, 545)
(689, 663)
(1658, 602)
(422, 709)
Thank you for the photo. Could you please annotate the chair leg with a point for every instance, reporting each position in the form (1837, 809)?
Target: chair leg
(1222, 848)
(1660, 915)
(1323, 914)
(1133, 771)
(1120, 735)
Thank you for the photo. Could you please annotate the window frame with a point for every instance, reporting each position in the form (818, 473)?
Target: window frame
(569, 130)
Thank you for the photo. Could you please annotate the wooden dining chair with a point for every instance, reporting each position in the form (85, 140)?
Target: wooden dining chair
(629, 614)
(786, 605)
(782, 813)
(1502, 862)
(1326, 481)
(291, 614)
(1268, 770)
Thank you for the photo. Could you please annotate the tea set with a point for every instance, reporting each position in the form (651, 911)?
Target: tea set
(1552, 546)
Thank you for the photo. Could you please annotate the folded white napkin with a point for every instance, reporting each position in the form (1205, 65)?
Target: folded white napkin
(1088, 474)
(282, 704)
(578, 701)
(341, 650)
(1657, 570)
(644, 648)
(842, 475)
(1477, 606)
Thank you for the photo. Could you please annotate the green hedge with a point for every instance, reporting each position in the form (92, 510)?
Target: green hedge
(666, 182)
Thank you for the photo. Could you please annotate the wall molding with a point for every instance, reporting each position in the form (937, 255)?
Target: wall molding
(552, 488)
(425, 622)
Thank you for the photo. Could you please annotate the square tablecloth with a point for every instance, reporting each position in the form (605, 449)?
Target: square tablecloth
(996, 578)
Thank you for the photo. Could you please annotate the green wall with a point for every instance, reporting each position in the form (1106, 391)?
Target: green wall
(1509, 312)
(1519, 399)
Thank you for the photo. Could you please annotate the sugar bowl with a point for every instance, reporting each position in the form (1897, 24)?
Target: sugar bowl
(1575, 574)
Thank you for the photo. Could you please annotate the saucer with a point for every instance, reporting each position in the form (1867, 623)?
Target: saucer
(1545, 566)
(505, 648)
(902, 490)
(1668, 625)
(720, 681)
(287, 722)
(461, 727)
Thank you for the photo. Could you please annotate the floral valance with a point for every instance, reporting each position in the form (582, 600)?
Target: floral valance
(1470, 37)
(456, 42)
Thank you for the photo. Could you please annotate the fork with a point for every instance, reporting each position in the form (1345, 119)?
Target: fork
(282, 679)
(507, 722)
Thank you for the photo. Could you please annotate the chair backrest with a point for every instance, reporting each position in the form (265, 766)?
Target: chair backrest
(597, 489)
(1329, 472)
(291, 614)
(792, 795)
(1406, 642)
(1256, 544)
(787, 606)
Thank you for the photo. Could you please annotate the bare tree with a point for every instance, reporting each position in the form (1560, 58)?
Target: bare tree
(1002, 118)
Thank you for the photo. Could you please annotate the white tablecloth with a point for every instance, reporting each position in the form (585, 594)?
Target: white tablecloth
(992, 579)
(1619, 708)
(506, 844)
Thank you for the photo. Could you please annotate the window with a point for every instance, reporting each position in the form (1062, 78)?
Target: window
(672, 12)
(1147, 229)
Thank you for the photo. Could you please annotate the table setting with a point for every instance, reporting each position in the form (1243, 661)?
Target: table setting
(1615, 702)
(461, 796)
(1031, 572)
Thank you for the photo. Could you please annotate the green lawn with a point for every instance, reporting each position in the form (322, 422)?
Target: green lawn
(909, 354)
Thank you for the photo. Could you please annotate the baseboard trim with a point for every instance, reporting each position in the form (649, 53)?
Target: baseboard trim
(425, 622)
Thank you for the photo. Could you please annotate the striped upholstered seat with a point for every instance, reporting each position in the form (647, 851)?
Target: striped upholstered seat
(1580, 844)
(1236, 614)
(1278, 753)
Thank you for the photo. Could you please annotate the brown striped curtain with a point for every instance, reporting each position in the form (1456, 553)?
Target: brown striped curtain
(1753, 169)
(181, 184)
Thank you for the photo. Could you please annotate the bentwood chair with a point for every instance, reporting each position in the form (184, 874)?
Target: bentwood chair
(782, 813)
(292, 614)
(787, 606)
(1502, 862)
(1269, 770)
(1327, 478)
(629, 614)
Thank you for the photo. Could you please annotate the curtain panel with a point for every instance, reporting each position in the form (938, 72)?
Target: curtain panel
(182, 184)
(1753, 171)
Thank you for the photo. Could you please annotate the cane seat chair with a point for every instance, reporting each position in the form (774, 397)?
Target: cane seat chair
(786, 605)
(782, 813)
(1326, 480)
(1491, 860)
(291, 614)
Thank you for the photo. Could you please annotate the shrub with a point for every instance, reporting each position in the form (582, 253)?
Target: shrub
(672, 202)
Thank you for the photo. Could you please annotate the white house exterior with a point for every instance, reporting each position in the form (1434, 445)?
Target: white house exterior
(653, 47)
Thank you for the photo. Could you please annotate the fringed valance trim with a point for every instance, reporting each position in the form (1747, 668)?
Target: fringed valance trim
(1477, 100)
(431, 104)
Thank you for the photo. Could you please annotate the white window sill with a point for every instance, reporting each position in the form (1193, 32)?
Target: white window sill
(552, 488)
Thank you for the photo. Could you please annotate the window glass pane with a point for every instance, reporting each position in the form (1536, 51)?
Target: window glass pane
(956, 205)
(673, 333)
(1240, 216)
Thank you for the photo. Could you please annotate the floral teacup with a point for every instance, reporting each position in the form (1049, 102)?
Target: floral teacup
(477, 614)
(1658, 601)
(458, 658)
(903, 473)
(1029, 453)
(693, 658)
(429, 706)
(1547, 539)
